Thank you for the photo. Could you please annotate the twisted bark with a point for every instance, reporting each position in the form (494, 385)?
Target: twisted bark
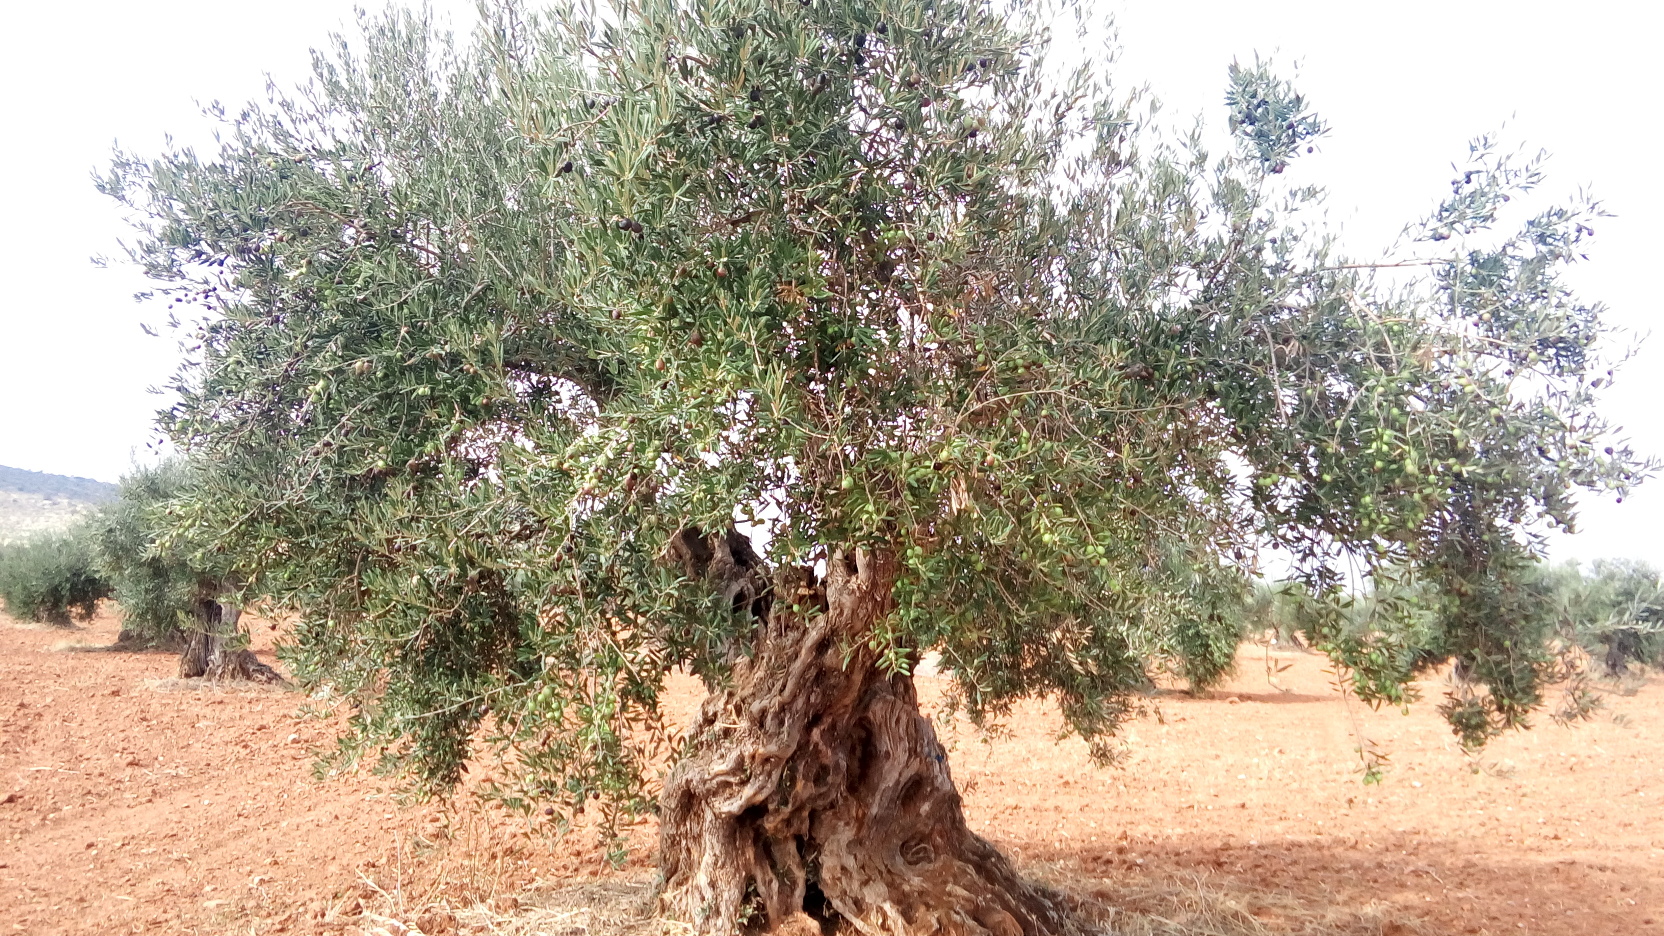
(212, 650)
(813, 789)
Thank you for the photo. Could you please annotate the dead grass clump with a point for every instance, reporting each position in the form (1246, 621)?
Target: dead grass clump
(79, 646)
(465, 873)
(1195, 905)
(1182, 906)
(605, 908)
(120, 646)
(198, 684)
(616, 908)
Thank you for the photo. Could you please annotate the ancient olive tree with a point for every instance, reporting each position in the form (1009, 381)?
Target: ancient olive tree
(787, 342)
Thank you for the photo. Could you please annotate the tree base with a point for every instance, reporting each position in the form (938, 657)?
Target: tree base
(814, 791)
(211, 651)
(208, 657)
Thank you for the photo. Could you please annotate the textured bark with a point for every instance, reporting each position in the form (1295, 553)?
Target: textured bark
(211, 649)
(814, 790)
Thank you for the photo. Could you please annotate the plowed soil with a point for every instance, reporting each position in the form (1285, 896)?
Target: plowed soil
(132, 802)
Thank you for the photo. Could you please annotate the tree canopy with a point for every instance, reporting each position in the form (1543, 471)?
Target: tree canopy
(51, 577)
(153, 580)
(1615, 611)
(531, 368)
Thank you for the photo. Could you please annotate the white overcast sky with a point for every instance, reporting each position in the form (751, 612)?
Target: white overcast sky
(1404, 87)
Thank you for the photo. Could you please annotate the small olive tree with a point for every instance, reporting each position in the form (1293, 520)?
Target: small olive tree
(155, 591)
(1614, 611)
(1626, 622)
(51, 577)
(788, 341)
(174, 589)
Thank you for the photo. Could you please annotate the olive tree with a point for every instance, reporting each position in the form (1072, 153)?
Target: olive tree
(51, 577)
(1614, 612)
(1631, 630)
(174, 586)
(787, 342)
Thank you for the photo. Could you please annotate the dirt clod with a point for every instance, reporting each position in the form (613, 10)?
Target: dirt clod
(437, 923)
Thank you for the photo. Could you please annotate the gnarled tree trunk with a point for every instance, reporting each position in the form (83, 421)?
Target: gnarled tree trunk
(212, 648)
(813, 789)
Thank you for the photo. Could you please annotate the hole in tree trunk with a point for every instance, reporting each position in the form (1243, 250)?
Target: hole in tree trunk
(817, 906)
(918, 852)
(908, 799)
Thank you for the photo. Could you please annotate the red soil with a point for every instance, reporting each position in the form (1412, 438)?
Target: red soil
(132, 805)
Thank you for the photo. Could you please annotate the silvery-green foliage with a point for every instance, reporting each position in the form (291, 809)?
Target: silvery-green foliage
(156, 573)
(51, 577)
(1615, 610)
(1270, 119)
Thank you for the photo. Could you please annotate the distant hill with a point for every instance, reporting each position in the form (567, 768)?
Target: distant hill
(36, 502)
(56, 486)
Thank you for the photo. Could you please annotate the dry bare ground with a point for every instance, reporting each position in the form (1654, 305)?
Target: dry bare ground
(130, 802)
(23, 515)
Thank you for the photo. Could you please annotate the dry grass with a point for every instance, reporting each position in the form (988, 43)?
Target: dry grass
(617, 908)
(1192, 906)
(458, 877)
(78, 645)
(1195, 905)
(225, 686)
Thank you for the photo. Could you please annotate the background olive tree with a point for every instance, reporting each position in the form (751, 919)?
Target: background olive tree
(786, 342)
(51, 577)
(1614, 611)
(174, 585)
(155, 590)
